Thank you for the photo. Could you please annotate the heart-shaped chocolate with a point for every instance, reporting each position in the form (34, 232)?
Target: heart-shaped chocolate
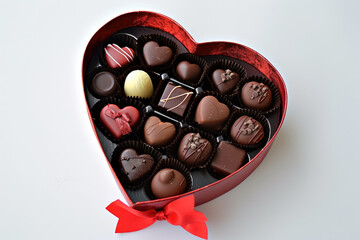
(135, 167)
(158, 133)
(118, 121)
(155, 55)
(118, 57)
(188, 72)
(211, 114)
(194, 150)
(225, 80)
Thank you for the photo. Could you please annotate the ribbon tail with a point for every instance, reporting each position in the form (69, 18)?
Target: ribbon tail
(197, 229)
(130, 220)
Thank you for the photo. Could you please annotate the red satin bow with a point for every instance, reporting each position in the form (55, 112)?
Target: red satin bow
(179, 212)
(122, 120)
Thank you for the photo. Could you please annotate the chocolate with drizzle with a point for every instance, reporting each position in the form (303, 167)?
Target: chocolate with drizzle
(256, 95)
(247, 131)
(194, 150)
(175, 99)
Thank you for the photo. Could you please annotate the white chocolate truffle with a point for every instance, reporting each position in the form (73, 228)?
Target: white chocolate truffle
(138, 84)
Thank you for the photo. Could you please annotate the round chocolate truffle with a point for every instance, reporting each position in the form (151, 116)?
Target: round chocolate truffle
(188, 72)
(168, 182)
(138, 84)
(194, 150)
(256, 95)
(104, 84)
(247, 131)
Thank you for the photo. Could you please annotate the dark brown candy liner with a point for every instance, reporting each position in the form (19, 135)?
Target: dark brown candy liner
(173, 148)
(255, 115)
(217, 175)
(189, 118)
(155, 78)
(193, 60)
(122, 40)
(140, 148)
(92, 74)
(157, 96)
(162, 41)
(164, 119)
(276, 97)
(121, 103)
(224, 64)
(173, 164)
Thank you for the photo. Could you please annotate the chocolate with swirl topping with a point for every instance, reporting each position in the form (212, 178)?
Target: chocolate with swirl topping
(175, 99)
(247, 131)
(194, 150)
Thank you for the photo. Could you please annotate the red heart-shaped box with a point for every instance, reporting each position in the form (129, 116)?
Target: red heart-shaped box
(246, 55)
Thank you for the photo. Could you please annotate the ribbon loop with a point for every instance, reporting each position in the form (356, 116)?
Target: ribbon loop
(179, 212)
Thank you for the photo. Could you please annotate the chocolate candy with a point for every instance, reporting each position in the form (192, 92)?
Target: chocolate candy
(118, 57)
(118, 121)
(225, 80)
(256, 95)
(158, 133)
(138, 84)
(188, 72)
(194, 150)
(155, 55)
(211, 114)
(175, 99)
(228, 159)
(168, 182)
(247, 131)
(135, 167)
(104, 84)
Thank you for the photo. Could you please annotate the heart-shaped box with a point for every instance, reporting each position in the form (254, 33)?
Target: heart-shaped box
(253, 62)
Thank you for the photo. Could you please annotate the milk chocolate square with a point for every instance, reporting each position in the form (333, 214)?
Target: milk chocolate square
(175, 99)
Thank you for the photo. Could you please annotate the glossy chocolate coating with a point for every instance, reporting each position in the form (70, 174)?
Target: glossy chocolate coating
(211, 114)
(175, 99)
(256, 95)
(228, 158)
(225, 80)
(135, 167)
(118, 57)
(138, 84)
(168, 182)
(158, 133)
(247, 131)
(155, 55)
(194, 150)
(188, 72)
(104, 84)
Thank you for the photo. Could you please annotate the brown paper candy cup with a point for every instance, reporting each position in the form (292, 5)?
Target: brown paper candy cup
(140, 148)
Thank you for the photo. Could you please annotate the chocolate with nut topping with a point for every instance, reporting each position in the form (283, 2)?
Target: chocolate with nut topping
(247, 131)
(256, 95)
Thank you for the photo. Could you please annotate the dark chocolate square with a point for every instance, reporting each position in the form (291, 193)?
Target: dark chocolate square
(175, 99)
(228, 158)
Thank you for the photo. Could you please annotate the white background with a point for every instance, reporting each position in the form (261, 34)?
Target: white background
(55, 183)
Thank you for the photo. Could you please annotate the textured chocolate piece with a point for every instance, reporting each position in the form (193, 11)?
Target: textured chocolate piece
(247, 131)
(188, 72)
(168, 182)
(135, 167)
(227, 159)
(158, 133)
(175, 99)
(118, 57)
(194, 150)
(118, 121)
(104, 84)
(256, 95)
(155, 55)
(211, 114)
(225, 80)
